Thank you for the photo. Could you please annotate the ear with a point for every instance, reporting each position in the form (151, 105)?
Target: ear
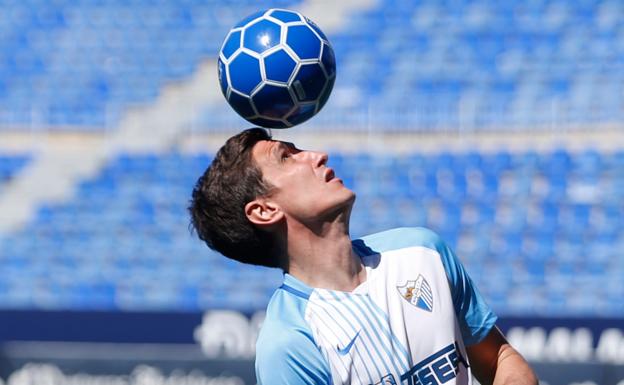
(263, 212)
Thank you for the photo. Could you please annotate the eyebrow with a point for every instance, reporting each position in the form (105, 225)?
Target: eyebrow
(278, 147)
(284, 145)
(275, 148)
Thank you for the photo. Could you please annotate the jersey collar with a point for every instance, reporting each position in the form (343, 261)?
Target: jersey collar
(296, 286)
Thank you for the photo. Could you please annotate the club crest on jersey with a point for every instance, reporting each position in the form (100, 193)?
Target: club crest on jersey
(418, 293)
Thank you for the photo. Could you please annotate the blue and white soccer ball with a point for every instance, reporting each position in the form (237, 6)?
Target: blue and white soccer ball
(276, 68)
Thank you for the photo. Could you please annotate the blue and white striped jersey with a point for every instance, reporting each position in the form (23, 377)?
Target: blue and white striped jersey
(407, 324)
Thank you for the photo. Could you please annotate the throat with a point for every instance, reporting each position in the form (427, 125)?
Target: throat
(344, 274)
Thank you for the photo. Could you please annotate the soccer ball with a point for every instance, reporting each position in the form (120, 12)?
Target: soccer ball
(276, 68)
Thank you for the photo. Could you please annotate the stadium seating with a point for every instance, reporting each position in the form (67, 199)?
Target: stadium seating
(10, 165)
(473, 65)
(401, 65)
(82, 63)
(541, 233)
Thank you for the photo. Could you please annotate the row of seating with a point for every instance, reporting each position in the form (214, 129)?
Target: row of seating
(531, 253)
(10, 165)
(401, 66)
(85, 63)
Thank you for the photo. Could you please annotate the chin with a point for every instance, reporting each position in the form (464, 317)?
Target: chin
(341, 207)
(349, 200)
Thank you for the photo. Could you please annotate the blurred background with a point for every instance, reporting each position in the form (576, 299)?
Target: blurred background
(498, 124)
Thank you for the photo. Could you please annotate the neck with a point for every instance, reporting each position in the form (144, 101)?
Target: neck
(323, 257)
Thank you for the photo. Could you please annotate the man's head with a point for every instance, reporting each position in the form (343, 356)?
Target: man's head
(241, 204)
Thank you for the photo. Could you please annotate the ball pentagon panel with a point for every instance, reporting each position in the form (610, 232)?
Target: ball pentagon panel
(231, 44)
(285, 15)
(279, 66)
(272, 101)
(247, 70)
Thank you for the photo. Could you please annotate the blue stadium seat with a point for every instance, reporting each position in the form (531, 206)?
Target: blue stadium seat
(10, 165)
(55, 57)
(472, 200)
(480, 64)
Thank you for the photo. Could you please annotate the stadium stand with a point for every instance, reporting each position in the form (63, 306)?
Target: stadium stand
(515, 218)
(10, 165)
(477, 65)
(122, 241)
(83, 63)
(496, 124)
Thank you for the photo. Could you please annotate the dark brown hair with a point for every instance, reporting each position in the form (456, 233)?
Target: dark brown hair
(217, 206)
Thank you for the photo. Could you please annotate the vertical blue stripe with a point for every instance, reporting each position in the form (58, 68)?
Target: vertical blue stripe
(385, 329)
(376, 310)
(348, 336)
(366, 331)
(329, 328)
(388, 349)
(356, 347)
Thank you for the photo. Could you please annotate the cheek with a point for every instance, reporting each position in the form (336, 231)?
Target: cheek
(302, 198)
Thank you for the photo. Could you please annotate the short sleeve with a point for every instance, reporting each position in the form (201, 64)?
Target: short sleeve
(475, 317)
(291, 358)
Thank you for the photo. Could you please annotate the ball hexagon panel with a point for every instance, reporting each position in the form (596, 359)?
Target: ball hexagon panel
(270, 123)
(242, 105)
(304, 42)
(329, 60)
(285, 16)
(309, 82)
(302, 113)
(279, 65)
(273, 101)
(261, 35)
(247, 70)
(316, 29)
(222, 76)
(232, 43)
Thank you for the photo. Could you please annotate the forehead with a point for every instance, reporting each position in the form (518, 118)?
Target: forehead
(266, 149)
(262, 148)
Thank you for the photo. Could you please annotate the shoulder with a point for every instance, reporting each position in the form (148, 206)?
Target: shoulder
(284, 345)
(399, 238)
(286, 352)
(284, 329)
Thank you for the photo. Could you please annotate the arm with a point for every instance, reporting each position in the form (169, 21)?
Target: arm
(492, 359)
(495, 361)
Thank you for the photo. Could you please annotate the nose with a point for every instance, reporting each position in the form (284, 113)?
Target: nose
(317, 158)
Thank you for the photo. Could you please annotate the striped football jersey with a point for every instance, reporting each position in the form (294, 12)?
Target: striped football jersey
(408, 323)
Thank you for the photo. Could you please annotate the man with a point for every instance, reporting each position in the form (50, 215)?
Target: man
(395, 307)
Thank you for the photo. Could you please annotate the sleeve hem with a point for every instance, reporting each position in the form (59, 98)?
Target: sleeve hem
(481, 331)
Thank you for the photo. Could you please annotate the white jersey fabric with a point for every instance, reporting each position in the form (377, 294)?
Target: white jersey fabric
(408, 323)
